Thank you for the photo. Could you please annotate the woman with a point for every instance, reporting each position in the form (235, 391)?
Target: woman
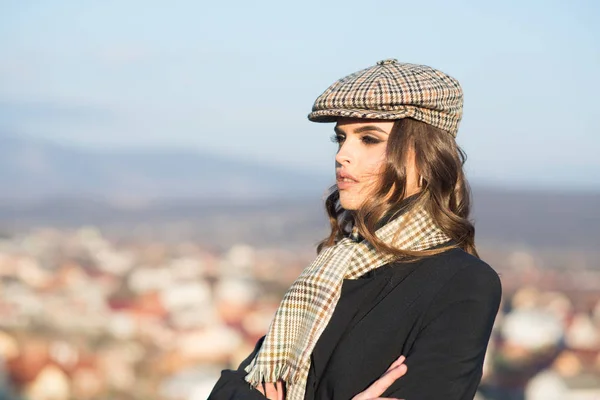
(397, 303)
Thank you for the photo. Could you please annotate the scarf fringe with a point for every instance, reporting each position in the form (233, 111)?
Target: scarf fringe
(256, 374)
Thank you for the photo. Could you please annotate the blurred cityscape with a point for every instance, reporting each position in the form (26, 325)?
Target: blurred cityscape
(93, 312)
(84, 317)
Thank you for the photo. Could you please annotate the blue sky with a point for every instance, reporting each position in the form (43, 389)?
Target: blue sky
(238, 78)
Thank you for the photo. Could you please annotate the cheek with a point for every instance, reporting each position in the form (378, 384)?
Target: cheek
(374, 162)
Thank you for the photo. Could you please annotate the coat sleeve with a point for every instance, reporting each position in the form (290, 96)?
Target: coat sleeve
(446, 359)
(232, 385)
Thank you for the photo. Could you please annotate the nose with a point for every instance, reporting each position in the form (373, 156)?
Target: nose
(343, 156)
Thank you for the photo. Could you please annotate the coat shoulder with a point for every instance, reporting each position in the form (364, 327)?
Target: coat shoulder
(457, 271)
(472, 275)
(473, 269)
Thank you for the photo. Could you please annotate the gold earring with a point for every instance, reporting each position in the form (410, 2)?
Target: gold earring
(420, 180)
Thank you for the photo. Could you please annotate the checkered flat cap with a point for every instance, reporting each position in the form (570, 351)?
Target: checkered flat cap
(393, 90)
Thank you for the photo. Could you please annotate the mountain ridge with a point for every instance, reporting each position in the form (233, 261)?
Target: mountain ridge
(33, 169)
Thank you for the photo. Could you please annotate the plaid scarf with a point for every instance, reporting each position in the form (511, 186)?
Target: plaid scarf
(309, 303)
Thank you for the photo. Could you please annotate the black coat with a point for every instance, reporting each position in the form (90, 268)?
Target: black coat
(438, 312)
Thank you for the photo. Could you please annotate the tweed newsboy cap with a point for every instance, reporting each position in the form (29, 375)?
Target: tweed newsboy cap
(393, 90)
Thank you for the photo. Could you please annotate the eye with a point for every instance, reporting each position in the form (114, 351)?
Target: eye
(339, 139)
(370, 140)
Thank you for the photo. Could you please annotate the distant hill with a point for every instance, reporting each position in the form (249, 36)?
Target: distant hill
(35, 169)
(548, 219)
(199, 195)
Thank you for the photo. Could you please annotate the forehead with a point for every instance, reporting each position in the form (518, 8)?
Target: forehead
(350, 125)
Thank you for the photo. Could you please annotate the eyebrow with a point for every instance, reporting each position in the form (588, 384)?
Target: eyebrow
(362, 129)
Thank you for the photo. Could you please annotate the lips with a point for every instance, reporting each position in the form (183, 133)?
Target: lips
(344, 180)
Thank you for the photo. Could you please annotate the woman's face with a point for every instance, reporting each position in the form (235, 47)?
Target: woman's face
(360, 157)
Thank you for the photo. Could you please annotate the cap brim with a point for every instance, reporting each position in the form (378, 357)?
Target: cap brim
(332, 115)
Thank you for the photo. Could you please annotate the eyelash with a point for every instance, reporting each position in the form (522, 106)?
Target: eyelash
(368, 140)
(336, 138)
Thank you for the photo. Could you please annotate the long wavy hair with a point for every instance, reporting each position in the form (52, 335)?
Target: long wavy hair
(444, 193)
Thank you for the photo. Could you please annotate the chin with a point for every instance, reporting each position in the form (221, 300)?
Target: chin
(349, 202)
